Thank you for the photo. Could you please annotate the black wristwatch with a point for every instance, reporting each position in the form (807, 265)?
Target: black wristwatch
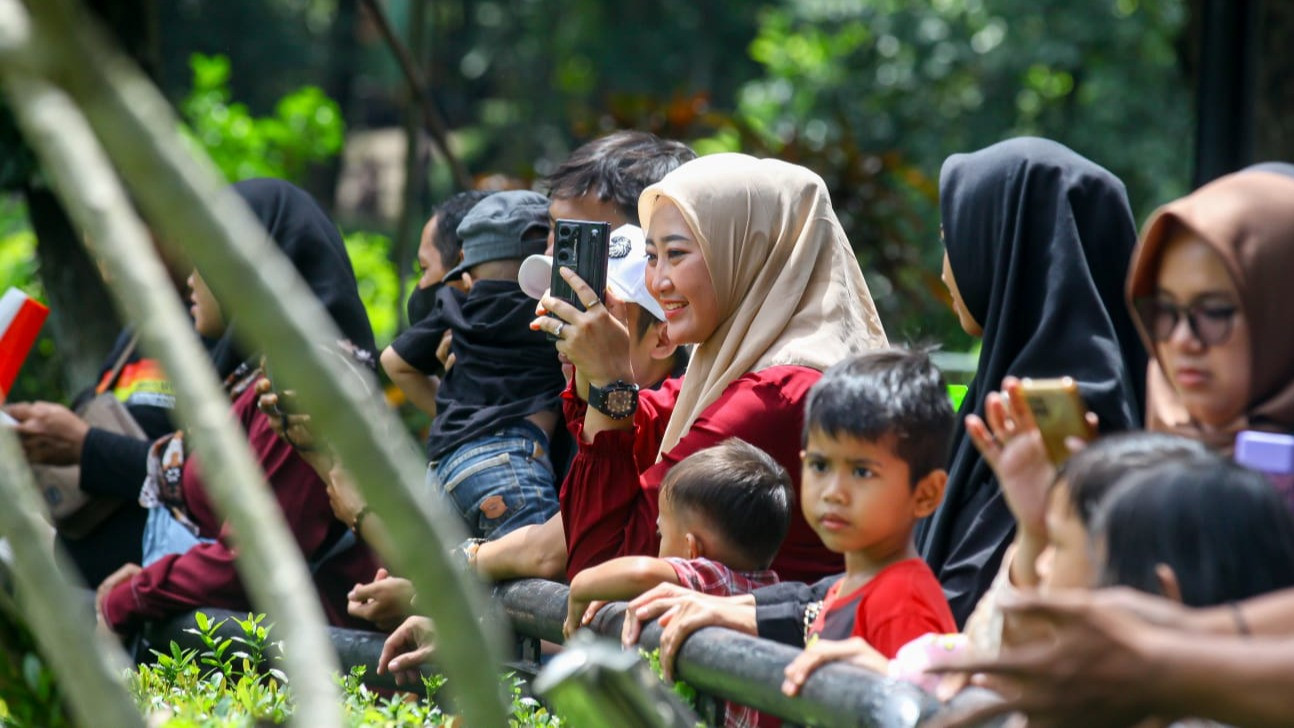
(617, 400)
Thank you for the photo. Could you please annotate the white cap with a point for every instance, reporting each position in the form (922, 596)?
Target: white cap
(626, 269)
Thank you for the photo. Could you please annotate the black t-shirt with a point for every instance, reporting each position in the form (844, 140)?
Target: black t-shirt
(502, 370)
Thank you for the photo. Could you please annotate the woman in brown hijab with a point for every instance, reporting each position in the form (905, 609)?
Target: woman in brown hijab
(1211, 287)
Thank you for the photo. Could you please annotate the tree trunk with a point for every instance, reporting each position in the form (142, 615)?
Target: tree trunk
(81, 313)
(342, 64)
(82, 319)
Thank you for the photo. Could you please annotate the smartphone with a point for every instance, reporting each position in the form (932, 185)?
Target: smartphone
(582, 246)
(1060, 413)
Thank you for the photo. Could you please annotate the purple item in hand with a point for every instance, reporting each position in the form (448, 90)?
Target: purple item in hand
(1271, 454)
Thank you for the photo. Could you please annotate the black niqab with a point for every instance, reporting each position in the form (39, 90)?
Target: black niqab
(1039, 240)
(305, 234)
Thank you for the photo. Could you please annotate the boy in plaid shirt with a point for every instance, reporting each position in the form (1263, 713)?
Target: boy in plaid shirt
(723, 514)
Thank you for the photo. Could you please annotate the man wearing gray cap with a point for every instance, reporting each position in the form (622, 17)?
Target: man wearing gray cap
(498, 405)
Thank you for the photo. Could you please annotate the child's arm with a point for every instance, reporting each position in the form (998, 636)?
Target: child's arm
(616, 580)
(854, 650)
(417, 386)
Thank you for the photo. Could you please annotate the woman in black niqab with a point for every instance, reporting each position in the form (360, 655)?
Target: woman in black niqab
(305, 234)
(1039, 240)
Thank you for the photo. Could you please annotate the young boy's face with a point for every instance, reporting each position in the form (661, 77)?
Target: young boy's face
(1067, 561)
(857, 495)
(673, 533)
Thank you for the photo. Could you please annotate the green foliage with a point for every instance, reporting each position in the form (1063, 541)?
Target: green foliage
(228, 684)
(306, 126)
(875, 94)
(686, 692)
(379, 285)
(30, 695)
(17, 249)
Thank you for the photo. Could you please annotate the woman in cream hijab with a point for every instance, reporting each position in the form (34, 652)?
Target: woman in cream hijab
(751, 265)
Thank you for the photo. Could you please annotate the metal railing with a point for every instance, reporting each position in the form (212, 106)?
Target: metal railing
(719, 663)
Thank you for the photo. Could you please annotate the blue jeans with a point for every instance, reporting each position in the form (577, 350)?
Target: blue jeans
(498, 482)
(163, 536)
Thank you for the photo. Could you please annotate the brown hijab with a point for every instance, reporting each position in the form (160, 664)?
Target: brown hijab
(788, 284)
(1248, 218)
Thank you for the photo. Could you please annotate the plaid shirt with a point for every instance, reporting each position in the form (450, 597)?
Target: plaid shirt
(715, 579)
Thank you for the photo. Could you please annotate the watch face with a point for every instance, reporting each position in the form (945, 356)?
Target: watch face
(621, 400)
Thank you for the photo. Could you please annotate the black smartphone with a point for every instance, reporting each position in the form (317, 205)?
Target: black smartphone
(582, 246)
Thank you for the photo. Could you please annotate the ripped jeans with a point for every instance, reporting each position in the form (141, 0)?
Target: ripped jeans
(498, 482)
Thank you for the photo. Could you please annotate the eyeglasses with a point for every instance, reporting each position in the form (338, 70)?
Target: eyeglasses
(1210, 322)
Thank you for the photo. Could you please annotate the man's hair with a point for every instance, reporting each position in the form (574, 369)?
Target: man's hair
(1092, 472)
(617, 168)
(740, 491)
(888, 393)
(451, 213)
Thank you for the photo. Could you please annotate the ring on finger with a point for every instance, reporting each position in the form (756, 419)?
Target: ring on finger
(558, 331)
(591, 304)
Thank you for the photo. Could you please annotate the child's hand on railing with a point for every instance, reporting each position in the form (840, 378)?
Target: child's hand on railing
(854, 650)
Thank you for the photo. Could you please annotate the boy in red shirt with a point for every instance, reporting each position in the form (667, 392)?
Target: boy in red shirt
(876, 436)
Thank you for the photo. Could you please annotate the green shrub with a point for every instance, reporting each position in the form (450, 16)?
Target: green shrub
(230, 682)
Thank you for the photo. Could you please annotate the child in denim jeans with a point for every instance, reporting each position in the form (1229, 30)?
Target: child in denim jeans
(498, 405)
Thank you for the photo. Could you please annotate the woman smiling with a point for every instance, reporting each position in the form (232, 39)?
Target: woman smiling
(750, 264)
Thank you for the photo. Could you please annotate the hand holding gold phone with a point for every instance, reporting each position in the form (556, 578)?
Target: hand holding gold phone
(1059, 411)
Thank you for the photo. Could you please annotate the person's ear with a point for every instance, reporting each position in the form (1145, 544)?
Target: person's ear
(662, 348)
(695, 546)
(928, 493)
(1168, 583)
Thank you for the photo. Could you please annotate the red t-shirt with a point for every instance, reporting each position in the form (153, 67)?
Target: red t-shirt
(204, 576)
(609, 497)
(901, 603)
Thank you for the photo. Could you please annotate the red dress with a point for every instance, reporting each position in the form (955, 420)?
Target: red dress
(609, 497)
(204, 576)
(901, 603)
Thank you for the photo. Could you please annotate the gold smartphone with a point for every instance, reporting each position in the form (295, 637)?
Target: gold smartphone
(1060, 413)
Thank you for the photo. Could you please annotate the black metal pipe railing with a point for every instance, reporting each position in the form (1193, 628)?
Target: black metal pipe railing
(719, 663)
(737, 667)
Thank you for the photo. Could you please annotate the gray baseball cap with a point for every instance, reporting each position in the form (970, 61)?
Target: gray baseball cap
(511, 224)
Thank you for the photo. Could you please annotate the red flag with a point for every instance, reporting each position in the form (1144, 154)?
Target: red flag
(21, 317)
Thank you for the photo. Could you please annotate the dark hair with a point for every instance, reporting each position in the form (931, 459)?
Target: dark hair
(646, 320)
(1223, 529)
(888, 392)
(1092, 472)
(740, 491)
(617, 168)
(451, 213)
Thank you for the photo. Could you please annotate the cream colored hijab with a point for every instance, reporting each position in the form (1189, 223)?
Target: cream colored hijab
(788, 284)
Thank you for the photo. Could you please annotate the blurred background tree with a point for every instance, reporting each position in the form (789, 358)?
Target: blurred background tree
(872, 94)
